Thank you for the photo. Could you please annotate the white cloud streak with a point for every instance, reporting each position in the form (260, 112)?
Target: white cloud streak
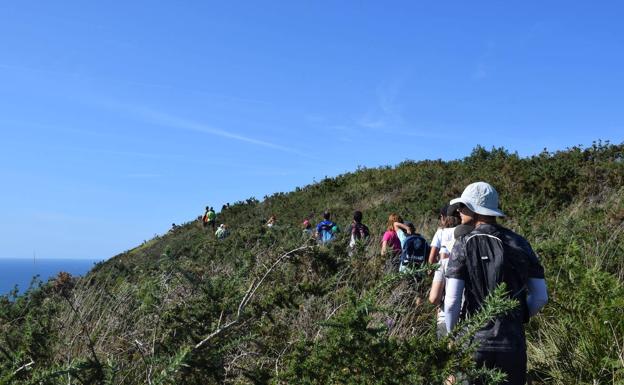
(167, 120)
(387, 112)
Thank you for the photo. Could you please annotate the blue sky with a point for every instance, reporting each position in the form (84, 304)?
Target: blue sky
(119, 118)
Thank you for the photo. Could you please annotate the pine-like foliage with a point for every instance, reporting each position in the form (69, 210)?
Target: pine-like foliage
(269, 306)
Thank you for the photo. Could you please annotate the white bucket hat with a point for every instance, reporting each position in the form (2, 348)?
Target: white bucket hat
(480, 198)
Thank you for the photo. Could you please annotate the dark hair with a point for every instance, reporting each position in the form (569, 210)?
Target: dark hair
(357, 216)
(450, 221)
(326, 215)
(449, 216)
(411, 227)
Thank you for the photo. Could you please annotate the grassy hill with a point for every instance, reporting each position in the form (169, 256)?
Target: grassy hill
(269, 306)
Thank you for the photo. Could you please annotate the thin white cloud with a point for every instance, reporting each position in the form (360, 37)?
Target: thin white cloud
(212, 95)
(483, 66)
(43, 216)
(44, 71)
(386, 114)
(371, 122)
(480, 72)
(167, 120)
(141, 84)
(123, 153)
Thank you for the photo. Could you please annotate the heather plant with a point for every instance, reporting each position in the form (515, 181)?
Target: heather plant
(270, 305)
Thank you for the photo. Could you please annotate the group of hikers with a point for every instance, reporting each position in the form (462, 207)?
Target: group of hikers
(209, 220)
(474, 255)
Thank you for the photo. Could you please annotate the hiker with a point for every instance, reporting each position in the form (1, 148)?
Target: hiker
(436, 294)
(448, 219)
(481, 260)
(271, 222)
(324, 231)
(414, 247)
(403, 230)
(222, 232)
(390, 241)
(204, 218)
(307, 227)
(209, 218)
(358, 230)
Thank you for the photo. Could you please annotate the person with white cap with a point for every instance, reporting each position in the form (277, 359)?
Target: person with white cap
(481, 260)
(222, 232)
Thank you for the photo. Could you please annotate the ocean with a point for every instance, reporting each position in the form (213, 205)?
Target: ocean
(16, 271)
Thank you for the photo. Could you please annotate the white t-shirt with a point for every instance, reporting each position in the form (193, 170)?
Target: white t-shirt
(444, 239)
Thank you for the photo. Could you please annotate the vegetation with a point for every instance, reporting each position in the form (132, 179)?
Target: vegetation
(269, 306)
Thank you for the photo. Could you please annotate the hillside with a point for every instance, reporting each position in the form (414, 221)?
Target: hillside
(269, 306)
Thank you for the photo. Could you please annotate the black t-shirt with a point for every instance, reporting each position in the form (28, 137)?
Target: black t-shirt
(484, 258)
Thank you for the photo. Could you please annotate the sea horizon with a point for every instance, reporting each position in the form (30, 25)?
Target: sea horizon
(15, 271)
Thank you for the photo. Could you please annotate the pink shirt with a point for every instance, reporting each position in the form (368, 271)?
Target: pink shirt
(392, 240)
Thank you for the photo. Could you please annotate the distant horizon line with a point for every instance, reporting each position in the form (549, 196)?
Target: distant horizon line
(54, 258)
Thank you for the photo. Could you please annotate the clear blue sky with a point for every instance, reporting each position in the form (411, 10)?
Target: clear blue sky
(119, 118)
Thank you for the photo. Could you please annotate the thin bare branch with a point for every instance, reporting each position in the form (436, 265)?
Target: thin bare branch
(251, 291)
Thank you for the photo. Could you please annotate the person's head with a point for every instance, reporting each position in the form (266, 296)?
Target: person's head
(465, 214)
(357, 216)
(306, 224)
(326, 215)
(207, 208)
(478, 203)
(449, 216)
(391, 219)
(411, 226)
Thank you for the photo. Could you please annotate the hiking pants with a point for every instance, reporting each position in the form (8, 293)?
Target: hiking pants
(512, 363)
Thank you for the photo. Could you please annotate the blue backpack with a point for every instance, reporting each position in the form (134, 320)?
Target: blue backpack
(414, 252)
(326, 234)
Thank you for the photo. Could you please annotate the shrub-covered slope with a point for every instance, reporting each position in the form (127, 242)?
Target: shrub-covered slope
(268, 306)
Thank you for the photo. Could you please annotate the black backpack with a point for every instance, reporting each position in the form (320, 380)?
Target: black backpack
(359, 231)
(493, 261)
(415, 250)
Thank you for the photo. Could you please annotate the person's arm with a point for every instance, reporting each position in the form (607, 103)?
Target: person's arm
(437, 286)
(456, 274)
(433, 255)
(436, 243)
(399, 225)
(384, 242)
(537, 296)
(452, 302)
(435, 295)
